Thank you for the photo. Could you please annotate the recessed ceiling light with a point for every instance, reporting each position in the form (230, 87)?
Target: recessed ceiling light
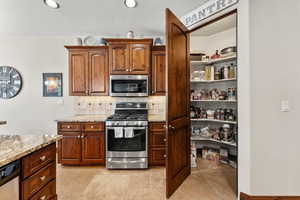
(130, 3)
(51, 4)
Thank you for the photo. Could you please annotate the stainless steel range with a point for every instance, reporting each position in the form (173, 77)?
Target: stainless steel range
(127, 137)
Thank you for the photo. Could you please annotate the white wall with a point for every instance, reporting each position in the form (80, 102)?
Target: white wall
(209, 44)
(275, 72)
(29, 112)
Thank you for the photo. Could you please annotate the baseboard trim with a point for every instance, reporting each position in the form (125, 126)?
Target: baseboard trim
(244, 196)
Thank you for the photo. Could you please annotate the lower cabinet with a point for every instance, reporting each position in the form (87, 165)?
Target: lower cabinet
(82, 143)
(38, 175)
(157, 144)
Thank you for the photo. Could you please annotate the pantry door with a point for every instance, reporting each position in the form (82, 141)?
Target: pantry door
(178, 165)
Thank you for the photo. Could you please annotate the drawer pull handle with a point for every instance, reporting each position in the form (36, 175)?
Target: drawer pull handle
(43, 197)
(43, 178)
(43, 158)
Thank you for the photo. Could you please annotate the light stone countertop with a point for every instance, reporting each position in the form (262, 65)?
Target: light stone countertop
(84, 118)
(2, 122)
(156, 118)
(102, 118)
(14, 147)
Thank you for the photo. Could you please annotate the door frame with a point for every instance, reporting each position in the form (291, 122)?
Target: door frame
(229, 13)
(213, 20)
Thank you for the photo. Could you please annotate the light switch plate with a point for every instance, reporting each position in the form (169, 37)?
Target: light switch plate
(284, 106)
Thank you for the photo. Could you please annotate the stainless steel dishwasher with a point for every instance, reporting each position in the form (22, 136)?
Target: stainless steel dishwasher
(9, 181)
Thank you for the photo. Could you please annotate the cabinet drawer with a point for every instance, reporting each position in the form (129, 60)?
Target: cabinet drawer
(37, 160)
(157, 156)
(46, 193)
(157, 139)
(69, 127)
(34, 183)
(157, 126)
(93, 127)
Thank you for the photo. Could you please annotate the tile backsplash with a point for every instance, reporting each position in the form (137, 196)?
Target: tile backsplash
(105, 105)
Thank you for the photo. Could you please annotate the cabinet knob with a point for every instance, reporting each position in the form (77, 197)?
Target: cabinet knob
(82, 136)
(86, 91)
(68, 126)
(92, 126)
(78, 136)
(43, 197)
(127, 70)
(165, 140)
(43, 158)
(43, 178)
(171, 127)
(165, 156)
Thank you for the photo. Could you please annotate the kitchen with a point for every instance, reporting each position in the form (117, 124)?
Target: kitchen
(96, 116)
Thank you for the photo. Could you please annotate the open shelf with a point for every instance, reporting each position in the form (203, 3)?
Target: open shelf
(214, 120)
(212, 81)
(212, 61)
(199, 138)
(225, 101)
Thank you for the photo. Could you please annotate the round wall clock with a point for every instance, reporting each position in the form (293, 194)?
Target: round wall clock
(10, 82)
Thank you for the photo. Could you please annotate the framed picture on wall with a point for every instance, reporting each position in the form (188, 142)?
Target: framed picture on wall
(52, 85)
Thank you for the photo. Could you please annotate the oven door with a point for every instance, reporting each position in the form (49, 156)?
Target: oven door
(128, 85)
(135, 146)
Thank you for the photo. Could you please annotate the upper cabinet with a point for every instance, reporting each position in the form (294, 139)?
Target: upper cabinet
(158, 83)
(88, 70)
(129, 56)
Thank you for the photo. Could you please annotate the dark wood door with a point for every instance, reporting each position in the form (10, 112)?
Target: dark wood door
(70, 148)
(119, 58)
(78, 69)
(178, 91)
(139, 58)
(98, 71)
(93, 148)
(158, 73)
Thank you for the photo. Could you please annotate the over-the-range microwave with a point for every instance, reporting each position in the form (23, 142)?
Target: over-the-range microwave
(128, 86)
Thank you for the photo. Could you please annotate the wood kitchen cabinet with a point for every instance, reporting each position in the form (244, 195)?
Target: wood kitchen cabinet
(82, 143)
(158, 83)
(157, 143)
(88, 70)
(129, 56)
(38, 175)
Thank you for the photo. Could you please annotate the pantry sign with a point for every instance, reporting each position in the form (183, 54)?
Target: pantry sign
(208, 9)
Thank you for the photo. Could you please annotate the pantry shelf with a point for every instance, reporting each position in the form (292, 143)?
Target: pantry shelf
(213, 61)
(225, 101)
(214, 120)
(199, 138)
(212, 81)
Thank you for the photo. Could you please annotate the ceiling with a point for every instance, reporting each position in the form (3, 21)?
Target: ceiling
(88, 17)
(216, 27)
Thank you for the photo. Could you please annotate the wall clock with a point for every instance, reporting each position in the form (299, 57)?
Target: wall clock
(10, 82)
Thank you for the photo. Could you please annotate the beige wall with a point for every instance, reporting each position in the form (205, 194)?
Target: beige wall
(275, 72)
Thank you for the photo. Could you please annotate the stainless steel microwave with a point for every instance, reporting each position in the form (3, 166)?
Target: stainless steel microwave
(128, 85)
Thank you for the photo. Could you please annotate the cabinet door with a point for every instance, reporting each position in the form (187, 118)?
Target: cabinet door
(78, 69)
(119, 59)
(98, 71)
(69, 148)
(93, 148)
(157, 156)
(139, 58)
(158, 73)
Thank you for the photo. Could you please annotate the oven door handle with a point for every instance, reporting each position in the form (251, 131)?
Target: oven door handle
(126, 161)
(134, 128)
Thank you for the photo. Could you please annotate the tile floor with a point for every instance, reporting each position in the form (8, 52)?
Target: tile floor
(209, 181)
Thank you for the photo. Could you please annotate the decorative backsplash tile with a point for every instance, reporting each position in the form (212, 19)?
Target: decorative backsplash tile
(106, 105)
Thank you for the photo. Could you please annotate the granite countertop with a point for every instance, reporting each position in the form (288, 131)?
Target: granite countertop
(2, 122)
(84, 118)
(156, 118)
(14, 147)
